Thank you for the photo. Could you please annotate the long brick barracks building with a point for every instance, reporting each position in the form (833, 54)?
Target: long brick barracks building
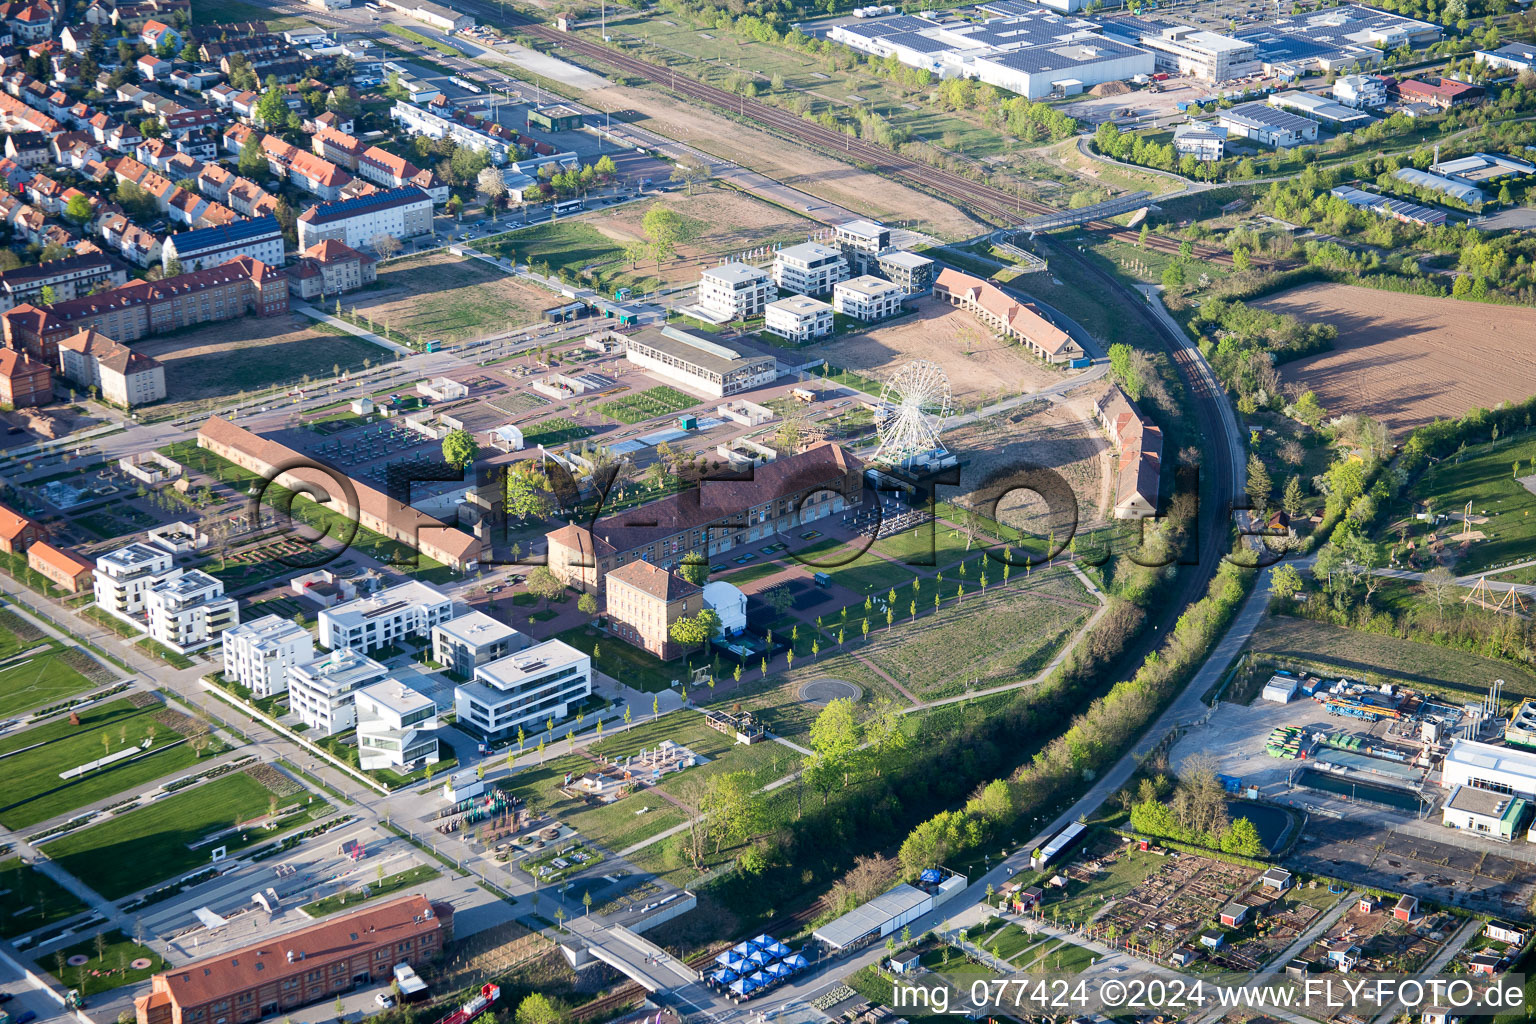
(306, 966)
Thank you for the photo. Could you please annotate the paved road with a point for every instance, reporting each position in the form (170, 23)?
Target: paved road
(1497, 586)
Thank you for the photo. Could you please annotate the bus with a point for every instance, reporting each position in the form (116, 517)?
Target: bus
(565, 206)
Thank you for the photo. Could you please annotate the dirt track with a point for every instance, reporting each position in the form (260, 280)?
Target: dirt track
(1407, 359)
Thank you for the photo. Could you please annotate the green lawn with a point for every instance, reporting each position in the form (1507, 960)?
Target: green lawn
(1484, 475)
(17, 634)
(865, 573)
(1064, 958)
(109, 963)
(34, 792)
(132, 851)
(572, 246)
(933, 547)
(553, 431)
(638, 669)
(649, 404)
(613, 826)
(1381, 659)
(30, 899)
(451, 298)
(1084, 899)
(377, 888)
(37, 681)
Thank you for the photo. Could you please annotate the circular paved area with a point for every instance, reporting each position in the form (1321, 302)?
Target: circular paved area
(822, 692)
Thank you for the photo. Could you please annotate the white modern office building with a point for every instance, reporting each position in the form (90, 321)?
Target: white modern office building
(798, 318)
(420, 121)
(406, 610)
(1492, 768)
(867, 298)
(735, 291)
(1182, 50)
(321, 692)
(809, 268)
(471, 639)
(1363, 92)
(187, 609)
(122, 578)
(545, 681)
(1204, 142)
(396, 726)
(259, 653)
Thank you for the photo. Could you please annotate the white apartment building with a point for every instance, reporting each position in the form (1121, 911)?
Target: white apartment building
(395, 726)
(1206, 55)
(735, 291)
(867, 298)
(798, 318)
(809, 268)
(258, 654)
(471, 639)
(913, 272)
(525, 689)
(392, 614)
(1205, 142)
(187, 609)
(1363, 92)
(420, 121)
(260, 238)
(124, 576)
(321, 692)
(404, 212)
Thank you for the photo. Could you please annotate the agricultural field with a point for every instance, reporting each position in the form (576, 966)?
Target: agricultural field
(980, 366)
(451, 298)
(30, 899)
(33, 759)
(249, 354)
(1502, 496)
(1008, 634)
(131, 851)
(1382, 659)
(1408, 359)
(650, 404)
(40, 679)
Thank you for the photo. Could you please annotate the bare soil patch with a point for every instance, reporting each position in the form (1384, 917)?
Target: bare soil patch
(440, 295)
(862, 191)
(980, 366)
(732, 223)
(1039, 434)
(1407, 359)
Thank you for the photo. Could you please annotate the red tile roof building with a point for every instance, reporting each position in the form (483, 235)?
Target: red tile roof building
(331, 268)
(374, 510)
(713, 517)
(123, 377)
(1140, 444)
(1007, 316)
(24, 382)
(142, 308)
(643, 601)
(319, 962)
(17, 532)
(59, 567)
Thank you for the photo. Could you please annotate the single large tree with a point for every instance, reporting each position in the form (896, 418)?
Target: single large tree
(490, 181)
(459, 448)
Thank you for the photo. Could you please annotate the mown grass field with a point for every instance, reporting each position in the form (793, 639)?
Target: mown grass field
(352, 897)
(1486, 476)
(109, 964)
(33, 791)
(132, 851)
(37, 681)
(1382, 659)
(30, 899)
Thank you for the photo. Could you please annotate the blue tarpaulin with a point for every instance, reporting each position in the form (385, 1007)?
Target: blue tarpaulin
(730, 958)
(796, 961)
(724, 976)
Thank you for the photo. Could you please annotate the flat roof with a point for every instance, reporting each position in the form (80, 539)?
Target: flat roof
(866, 228)
(342, 670)
(1491, 758)
(802, 305)
(903, 258)
(534, 661)
(871, 916)
(476, 627)
(395, 695)
(808, 252)
(867, 285)
(410, 594)
(694, 349)
(736, 272)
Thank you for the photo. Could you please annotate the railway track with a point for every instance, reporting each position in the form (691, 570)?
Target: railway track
(987, 200)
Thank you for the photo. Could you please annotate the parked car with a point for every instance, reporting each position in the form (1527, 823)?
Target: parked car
(385, 1000)
(25, 1018)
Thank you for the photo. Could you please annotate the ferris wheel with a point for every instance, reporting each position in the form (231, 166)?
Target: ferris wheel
(915, 405)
